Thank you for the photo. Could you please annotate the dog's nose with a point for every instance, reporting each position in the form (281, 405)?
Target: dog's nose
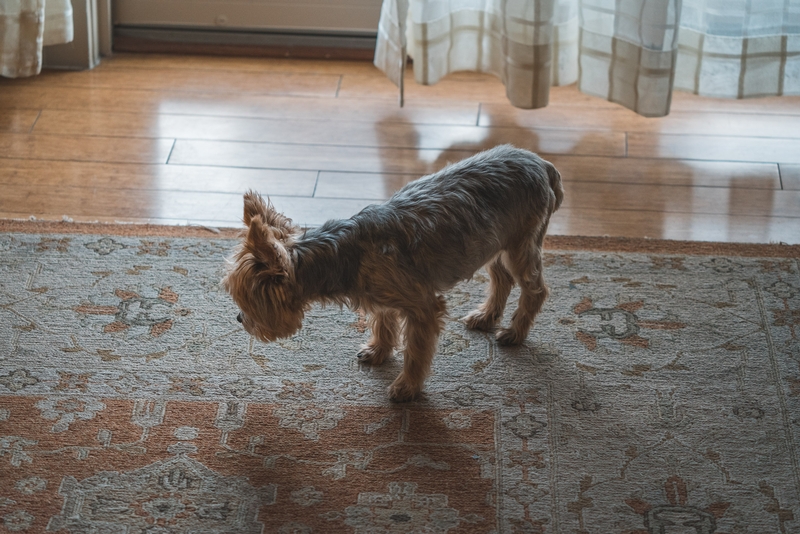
(239, 317)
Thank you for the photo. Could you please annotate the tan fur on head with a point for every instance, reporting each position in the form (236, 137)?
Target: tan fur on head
(260, 275)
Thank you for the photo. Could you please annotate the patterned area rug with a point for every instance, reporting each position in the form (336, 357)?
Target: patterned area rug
(659, 392)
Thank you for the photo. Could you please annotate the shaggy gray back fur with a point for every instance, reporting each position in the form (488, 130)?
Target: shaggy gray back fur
(429, 227)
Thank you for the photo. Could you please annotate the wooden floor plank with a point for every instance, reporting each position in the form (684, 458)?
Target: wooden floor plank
(18, 120)
(56, 202)
(212, 225)
(162, 79)
(226, 63)
(680, 226)
(312, 157)
(667, 172)
(372, 186)
(453, 112)
(76, 148)
(619, 119)
(156, 177)
(790, 177)
(234, 104)
(714, 147)
(680, 199)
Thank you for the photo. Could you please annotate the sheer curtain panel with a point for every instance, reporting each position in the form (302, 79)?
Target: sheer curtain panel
(633, 52)
(739, 48)
(26, 26)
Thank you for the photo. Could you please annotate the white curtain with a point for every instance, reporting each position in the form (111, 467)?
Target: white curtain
(633, 52)
(26, 26)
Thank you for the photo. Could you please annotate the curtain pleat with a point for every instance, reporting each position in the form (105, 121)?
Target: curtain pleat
(26, 26)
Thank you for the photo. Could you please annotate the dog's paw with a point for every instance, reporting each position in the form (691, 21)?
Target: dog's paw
(372, 355)
(509, 338)
(402, 391)
(478, 320)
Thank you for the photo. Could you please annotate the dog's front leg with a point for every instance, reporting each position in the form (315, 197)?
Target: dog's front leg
(422, 328)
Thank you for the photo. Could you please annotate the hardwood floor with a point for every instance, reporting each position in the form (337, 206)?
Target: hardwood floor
(178, 139)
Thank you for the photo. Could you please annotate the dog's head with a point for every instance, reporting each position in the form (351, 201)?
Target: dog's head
(260, 275)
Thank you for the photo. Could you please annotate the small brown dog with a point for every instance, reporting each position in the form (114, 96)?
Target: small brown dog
(394, 260)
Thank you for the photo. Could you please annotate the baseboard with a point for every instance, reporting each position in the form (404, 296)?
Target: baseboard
(244, 43)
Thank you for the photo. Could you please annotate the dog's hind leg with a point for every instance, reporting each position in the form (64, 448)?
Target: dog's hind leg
(500, 284)
(525, 264)
(383, 325)
(422, 327)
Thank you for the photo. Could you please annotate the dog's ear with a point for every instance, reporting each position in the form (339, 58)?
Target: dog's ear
(268, 251)
(253, 205)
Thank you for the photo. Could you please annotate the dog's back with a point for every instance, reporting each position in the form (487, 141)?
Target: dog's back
(448, 224)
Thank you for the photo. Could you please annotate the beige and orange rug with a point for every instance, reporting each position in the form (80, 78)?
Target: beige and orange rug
(658, 393)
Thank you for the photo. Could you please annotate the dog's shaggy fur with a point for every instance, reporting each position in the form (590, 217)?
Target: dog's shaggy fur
(394, 260)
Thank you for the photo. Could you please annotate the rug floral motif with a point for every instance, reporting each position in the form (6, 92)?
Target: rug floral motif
(658, 392)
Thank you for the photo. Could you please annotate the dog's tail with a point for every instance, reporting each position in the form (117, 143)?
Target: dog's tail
(555, 186)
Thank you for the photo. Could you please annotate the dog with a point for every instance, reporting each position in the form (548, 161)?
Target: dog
(394, 260)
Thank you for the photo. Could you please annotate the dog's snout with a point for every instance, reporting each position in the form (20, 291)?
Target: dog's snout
(239, 317)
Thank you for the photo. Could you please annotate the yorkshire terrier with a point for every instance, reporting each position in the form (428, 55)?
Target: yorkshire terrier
(393, 260)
